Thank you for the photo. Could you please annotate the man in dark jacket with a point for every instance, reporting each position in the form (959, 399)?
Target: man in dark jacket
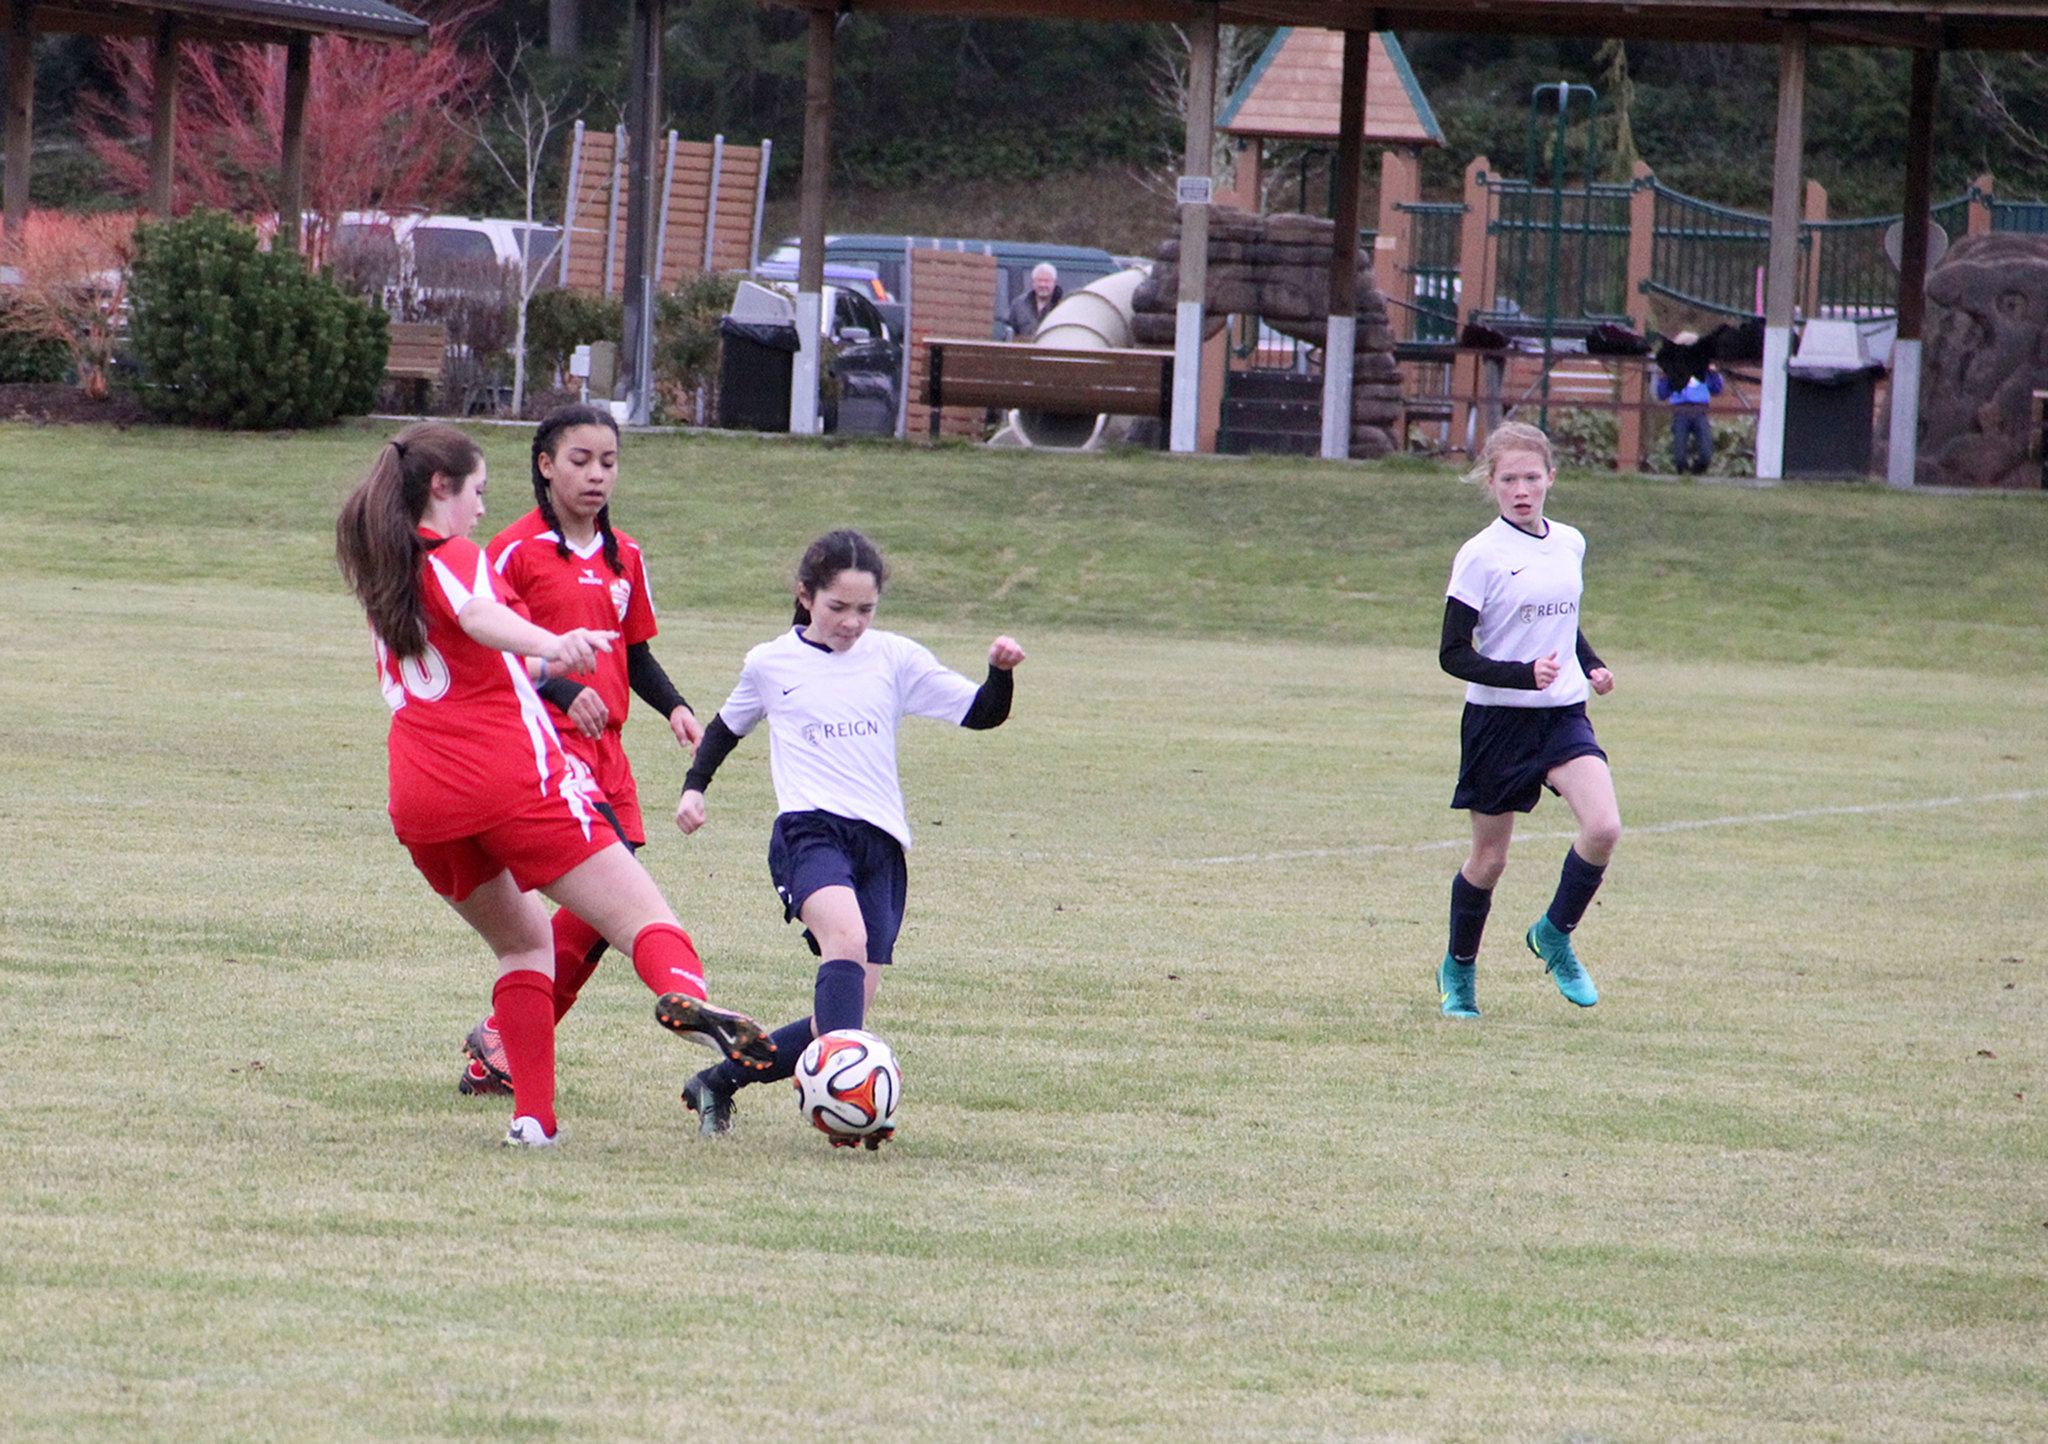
(1030, 308)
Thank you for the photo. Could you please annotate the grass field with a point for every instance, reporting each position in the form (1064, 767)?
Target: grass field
(1187, 1152)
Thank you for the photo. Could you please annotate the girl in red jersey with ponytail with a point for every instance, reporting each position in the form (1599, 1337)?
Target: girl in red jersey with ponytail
(482, 794)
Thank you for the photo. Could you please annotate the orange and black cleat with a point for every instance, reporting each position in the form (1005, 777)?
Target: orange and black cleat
(721, 1030)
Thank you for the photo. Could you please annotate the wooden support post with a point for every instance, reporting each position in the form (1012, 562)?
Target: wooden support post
(1197, 163)
(1242, 193)
(21, 106)
(1340, 340)
(1977, 214)
(1642, 249)
(1904, 436)
(643, 214)
(291, 182)
(1813, 210)
(1781, 278)
(1475, 289)
(1394, 249)
(564, 37)
(804, 419)
(163, 127)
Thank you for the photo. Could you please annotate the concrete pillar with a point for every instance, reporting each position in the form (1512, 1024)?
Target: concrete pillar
(1197, 164)
(1902, 454)
(1342, 336)
(804, 416)
(1781, 279)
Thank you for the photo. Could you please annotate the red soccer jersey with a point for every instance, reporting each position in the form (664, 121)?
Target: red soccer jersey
(580, 590)
(470, 740)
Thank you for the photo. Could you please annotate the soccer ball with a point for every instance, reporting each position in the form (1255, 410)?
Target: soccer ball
(848, 1086)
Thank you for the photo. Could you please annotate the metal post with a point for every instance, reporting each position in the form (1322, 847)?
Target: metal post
(1341, 336)
(1194, 232)
(1902, 453)
(711, 204)
(21, 105)
(668, 187)
(644, 105)
(804, 417)
(163, 127)
(569, 204)
(760, 205)
(291, 187)
(1781, 279)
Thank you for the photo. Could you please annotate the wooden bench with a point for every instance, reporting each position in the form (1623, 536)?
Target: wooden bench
(1122, 381)
(419, 349)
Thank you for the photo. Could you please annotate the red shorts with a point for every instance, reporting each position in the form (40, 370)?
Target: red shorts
(606, 758)
(537, 845)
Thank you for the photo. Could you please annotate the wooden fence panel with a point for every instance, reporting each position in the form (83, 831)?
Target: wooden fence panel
(952, 293)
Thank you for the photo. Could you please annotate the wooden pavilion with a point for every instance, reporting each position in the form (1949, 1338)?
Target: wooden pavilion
(1926, 28)
(170, 24)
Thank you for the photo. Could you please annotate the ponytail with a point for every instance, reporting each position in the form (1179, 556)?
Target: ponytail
(376, 538)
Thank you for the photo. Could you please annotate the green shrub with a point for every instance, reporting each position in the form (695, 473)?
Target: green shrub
(557, 322)
(1585, 439)
(226, 334)
(28, 356)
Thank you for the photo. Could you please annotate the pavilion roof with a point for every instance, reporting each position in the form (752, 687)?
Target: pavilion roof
(1923, 24)
(219, 20)
(1293, 92)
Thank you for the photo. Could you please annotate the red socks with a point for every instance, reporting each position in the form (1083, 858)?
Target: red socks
(667, 961)
(525, 1006)
(578, 949)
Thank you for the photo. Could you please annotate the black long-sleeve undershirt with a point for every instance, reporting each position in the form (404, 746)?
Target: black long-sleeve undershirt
(991, 704)
(643, 674)
(1465, 662)
(713, 748)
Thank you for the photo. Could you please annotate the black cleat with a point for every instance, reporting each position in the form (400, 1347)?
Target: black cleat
(712, 1104)
(723, 1031)
(870, 1141)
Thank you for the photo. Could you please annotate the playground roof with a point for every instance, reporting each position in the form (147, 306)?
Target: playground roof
(1292, 92)
(1917, 24)
(265, 21)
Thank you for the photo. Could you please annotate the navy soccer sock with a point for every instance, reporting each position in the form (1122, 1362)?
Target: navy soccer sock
(1469, 906)
(839, 999)
(1576, 884)
(790, 1041)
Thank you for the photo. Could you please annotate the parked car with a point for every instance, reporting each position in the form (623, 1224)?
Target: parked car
(1077, 265)
(439, 254)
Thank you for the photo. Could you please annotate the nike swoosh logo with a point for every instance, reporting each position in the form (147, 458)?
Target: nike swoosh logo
(1517, 571)
(787, 690)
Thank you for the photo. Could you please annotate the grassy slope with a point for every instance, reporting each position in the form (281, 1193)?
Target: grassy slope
(1188, 1153)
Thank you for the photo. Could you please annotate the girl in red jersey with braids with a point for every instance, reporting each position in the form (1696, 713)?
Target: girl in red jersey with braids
(482, 795)
(571, 568)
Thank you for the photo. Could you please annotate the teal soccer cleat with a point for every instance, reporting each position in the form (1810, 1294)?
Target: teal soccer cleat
(1563, 965)
(1458, 985)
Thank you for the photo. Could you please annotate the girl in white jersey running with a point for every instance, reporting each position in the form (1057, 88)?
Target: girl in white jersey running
(832, 689)
(1511, 633)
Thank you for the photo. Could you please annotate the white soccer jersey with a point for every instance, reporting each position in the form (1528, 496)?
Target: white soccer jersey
(1526, 591)
(832, 719)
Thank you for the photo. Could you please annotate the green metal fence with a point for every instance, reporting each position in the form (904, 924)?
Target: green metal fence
(1708, 257)
(1432, 271)
(1571, 245)
(2028, 217)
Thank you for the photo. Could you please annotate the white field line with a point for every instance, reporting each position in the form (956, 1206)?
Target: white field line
(1690, 824)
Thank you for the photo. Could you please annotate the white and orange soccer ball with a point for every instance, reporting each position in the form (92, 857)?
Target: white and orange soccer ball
(848, 1086)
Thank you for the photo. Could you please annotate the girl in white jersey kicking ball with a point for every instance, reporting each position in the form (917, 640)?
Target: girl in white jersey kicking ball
(832, 689)
(1512, 635)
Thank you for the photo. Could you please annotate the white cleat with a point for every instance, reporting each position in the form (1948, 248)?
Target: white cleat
(527, 1133)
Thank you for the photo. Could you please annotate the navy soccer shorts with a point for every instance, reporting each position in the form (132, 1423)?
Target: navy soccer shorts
(811, 850)
(1508, 751)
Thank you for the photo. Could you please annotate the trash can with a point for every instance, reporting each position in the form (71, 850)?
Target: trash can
(1830, 402)
(756, 358)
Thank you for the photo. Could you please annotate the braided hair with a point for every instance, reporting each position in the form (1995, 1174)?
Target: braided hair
(545, 442)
